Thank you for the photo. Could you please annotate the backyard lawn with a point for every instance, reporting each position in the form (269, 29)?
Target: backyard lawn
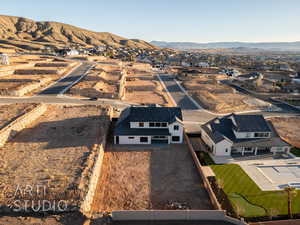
(295, 151)
(246, 197)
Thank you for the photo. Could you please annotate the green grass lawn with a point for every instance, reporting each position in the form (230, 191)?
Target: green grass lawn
(246, 195)
(295, 151)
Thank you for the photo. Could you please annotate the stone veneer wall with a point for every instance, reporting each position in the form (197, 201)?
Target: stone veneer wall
(9, 131)
(85, 207)
(122, 84)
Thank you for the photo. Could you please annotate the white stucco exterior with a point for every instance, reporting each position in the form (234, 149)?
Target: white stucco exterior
(248, 134)
(174, 134)
(132, 140)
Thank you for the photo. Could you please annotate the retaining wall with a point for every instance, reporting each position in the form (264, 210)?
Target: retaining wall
(28, 88)
(122, 84)
(209, 190)
(85, 207)
(9, 131)
(174, 215)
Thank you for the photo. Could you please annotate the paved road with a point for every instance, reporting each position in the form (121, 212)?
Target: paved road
(285, 108)
(67, 82)
(193, 113)
(182, 100)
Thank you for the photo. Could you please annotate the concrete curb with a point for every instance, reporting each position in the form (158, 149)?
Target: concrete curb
(72, 70)
(168, 93)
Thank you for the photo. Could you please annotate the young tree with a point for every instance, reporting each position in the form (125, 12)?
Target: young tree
(291, 192)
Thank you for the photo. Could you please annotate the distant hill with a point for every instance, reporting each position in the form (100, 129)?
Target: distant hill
(288, 46)
(24, 33)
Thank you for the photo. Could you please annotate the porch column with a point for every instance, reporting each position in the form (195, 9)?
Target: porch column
(255, 153)
(243, 151)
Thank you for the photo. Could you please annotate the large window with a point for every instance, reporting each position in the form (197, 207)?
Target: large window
(151, 124)
(141, 124)
(261, 134)
(143, 139)
(164, 124)
(157, 124)
(175, 138)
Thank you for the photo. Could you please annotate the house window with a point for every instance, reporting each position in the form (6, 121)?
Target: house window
(130, 137)
(226, 150)
(164, 124)
(151, 124)
(157, 124)
(143, 139)
(141, 124)
(175, 138)
(176, 127)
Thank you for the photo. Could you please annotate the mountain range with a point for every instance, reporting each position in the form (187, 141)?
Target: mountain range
(23, 33)
(288, 46)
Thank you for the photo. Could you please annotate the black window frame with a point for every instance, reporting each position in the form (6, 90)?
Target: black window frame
(175, 137)
(144, 139)
(151, 124)
(157, 124)
(176, 127)
(164, 124)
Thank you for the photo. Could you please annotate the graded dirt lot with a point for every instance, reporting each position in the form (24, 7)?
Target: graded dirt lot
(98, 83)
(11, 111)
(54, 151)
(149, 177)
(145, 90)
(31, 74)
(218, 97)
(288, 129)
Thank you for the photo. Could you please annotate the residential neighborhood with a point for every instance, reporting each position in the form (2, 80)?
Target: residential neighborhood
(174, 118)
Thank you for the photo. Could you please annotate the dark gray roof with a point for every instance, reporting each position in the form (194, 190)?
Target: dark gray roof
(219, 129)
(250, 123)
(146, 114)
(153, 114)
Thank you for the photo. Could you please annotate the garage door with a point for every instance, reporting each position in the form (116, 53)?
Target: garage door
(159, 140)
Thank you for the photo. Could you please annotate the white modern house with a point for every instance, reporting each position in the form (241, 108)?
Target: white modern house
(72, 52)
(4, 60)
(242, 135)
(149, 125)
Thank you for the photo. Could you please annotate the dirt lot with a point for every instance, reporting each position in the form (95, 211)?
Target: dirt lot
(53, 152)
(40, 76)
(98, 83)
(149, 177)
(217, 97)
(288, 129)
(146, 90)
(11, 111)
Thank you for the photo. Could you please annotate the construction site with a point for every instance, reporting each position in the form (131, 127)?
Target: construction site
(208, 91)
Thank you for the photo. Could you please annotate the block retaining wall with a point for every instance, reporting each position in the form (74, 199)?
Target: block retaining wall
(207, 186)
(9, 131)
(122, 84)
(28, 88)
(85, 207)
(174, 215)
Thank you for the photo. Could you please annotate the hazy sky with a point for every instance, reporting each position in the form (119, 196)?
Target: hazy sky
(171, 20)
